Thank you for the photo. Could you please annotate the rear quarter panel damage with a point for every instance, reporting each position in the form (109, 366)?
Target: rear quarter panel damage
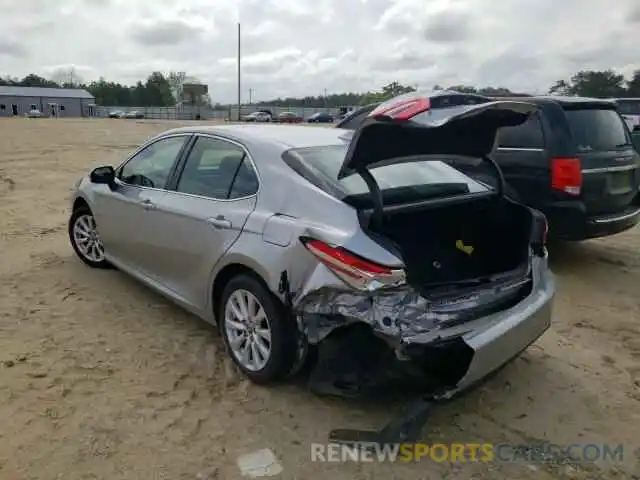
(397, 314)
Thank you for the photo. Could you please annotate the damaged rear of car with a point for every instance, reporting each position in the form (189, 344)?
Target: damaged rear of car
(444, 279)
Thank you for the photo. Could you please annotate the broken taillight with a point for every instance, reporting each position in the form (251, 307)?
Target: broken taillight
(352, 269)
(566, 175)
(402, 110)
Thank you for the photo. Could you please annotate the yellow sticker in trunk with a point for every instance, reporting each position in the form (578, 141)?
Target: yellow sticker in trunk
(468, 249)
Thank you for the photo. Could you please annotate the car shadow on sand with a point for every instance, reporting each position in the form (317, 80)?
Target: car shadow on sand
(592, 257)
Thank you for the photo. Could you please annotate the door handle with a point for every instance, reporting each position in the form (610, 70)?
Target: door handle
(220, 222)
(148, 204)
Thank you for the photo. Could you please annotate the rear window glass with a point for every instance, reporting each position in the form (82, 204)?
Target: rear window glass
(597, 130)
(527, 135)
(325, 162)
(629, 107)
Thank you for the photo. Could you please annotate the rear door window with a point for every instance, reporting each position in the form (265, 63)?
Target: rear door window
(597, 129)
(217, 169)
(527, 135)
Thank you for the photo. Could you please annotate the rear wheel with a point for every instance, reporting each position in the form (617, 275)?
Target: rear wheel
(260, 336)
(84, 237)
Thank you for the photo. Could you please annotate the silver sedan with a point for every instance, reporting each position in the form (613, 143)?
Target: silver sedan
(288, 236)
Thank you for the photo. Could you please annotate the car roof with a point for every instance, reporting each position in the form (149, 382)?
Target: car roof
(562, 100)
(286, 136)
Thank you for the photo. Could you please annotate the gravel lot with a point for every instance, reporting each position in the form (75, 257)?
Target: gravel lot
(103, 379)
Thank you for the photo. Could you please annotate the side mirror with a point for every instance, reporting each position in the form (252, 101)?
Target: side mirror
(104, 175)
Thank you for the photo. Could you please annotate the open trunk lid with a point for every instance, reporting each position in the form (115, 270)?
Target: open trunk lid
(406, 128)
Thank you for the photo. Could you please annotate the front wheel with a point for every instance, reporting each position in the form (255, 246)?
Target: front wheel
(260, 336)
(84, 238)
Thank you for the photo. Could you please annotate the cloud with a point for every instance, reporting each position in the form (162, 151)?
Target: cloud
(449, 26)
(12, 48)
(299, 47)
(167, 32)
(634, 15)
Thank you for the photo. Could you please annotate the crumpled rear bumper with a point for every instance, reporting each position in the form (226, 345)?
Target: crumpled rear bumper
(463, 352)
(508, 334)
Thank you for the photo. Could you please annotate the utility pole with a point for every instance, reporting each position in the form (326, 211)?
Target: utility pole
(325, 98)
(239, 91)
(251, 96)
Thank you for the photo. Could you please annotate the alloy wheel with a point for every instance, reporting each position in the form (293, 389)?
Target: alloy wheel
(248, 330)
(86, 238)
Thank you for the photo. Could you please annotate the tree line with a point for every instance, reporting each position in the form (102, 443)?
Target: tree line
(161, 90)
(155, 91)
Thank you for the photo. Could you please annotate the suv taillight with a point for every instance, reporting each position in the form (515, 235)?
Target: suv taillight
(566, 175)
(355, 271)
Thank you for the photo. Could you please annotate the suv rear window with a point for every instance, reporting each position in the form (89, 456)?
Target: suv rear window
(628, 106)
(320, 165)
(597, 129)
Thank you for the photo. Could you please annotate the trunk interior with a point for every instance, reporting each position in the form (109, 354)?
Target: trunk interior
(459, 242)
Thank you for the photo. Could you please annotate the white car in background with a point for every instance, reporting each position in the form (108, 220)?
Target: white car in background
(134, 114)
(33, 113)
(257, 117)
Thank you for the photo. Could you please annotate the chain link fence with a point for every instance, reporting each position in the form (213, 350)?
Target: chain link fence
(205, 113)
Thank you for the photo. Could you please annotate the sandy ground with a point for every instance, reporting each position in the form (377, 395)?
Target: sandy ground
(103, 379)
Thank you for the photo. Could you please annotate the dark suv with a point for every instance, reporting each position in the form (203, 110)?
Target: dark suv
(573, 160)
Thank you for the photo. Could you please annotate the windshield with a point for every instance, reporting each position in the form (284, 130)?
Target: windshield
(416, 177)
(597, 130)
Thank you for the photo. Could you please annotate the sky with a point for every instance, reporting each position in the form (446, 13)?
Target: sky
(306, 47)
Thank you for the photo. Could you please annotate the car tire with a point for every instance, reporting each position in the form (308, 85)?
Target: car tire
(81, 226)
(271, 316)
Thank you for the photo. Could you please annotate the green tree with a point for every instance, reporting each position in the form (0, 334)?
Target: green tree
(633, 85)
(592, 83)
(463, 89)
(390, 90)
(157, 91)
(394, 89)
(32, 80)
(67, 78)
(177, 80)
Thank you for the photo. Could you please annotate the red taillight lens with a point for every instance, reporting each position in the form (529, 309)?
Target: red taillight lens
(402, 110)
(352, 269)
(566, 175)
